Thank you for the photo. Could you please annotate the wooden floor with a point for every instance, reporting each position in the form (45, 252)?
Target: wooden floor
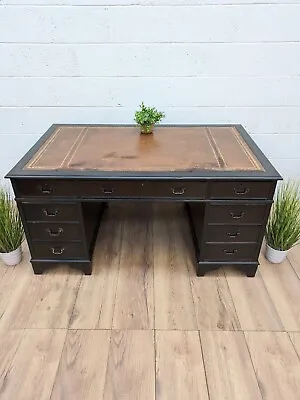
(143, 326)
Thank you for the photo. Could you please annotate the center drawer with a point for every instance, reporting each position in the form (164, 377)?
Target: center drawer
(225, 213)
(129, 188)
(175, 189)
(54, 232)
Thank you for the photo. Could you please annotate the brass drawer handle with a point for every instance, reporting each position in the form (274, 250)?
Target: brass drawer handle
(50, 214)
(108, 191)
(237, 216)
(179, 192)
(230, 252)
(45, 189)
(57, 252)
(242, 191)
(233, 235)
(55, 234)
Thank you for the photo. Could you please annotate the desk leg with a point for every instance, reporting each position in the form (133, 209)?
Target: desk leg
(39, 267)
(203, 268)
(86, 268)
(249, 269)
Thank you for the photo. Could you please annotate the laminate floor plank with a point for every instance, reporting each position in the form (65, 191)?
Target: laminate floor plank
(82, 369)
(134, 305)
(214, 306)
(55, 301)
(253, 304)
(10, 341)
(16, 294)
(283, 286)
(294, 258)
(32, 371)
(130, 370)
(14, 283)
(179, 366)
(295, 338)
(229, 371)
(276, 364)
(3, 269)
(174, 307)
(95, 301)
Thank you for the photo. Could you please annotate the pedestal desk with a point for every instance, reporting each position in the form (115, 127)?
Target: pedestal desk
(63, 184)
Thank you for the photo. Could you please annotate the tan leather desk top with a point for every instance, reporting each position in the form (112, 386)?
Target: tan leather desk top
(105, 148)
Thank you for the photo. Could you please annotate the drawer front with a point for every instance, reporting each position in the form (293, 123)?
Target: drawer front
(229, 252)
(57, 251)
(54, 232)
(50, 212)
(175, 189)
(68, 187)
(110, 188)
(241, 190)
(237, 213)
(233, 233)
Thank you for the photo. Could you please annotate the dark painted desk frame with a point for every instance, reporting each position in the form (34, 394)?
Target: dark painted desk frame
(199, 209)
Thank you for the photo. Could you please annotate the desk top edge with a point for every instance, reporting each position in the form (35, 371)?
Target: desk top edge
(269, 173)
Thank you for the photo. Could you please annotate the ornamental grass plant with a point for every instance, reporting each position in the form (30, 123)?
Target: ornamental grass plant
(283, 227)
(11, 228)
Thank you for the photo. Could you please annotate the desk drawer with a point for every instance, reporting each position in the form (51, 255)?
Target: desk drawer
(229, 252)
(175, 189)
(73, 188)
(58, 251)
(54, 232)
(237, 213)
(110, 188)
(50, 212)
(241, 190)
(233, 233)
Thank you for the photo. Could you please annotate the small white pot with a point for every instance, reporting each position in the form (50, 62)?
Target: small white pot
(275, 256)
(12, 258)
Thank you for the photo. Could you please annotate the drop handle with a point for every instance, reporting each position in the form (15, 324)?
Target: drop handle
(49, 213)
(179, 191)
(55, 234)
(57, 251)
(45, 189)
(233, 235)
(233, 251)
(241, 191)
(108, 191)
(237, 215)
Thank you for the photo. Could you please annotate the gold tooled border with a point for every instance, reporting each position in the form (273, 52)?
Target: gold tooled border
(247, 151)
(78, 142)
(39, 154)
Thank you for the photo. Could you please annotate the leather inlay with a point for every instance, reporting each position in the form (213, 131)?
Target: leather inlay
(123, 148)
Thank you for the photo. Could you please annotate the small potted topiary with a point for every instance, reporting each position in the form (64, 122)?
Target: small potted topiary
(283, 228)
(147, 117)
(11, 230)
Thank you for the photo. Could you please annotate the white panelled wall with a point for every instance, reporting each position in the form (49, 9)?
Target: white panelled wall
(94, 61)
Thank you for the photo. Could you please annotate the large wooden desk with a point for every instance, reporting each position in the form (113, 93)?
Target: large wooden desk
(64, 182)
